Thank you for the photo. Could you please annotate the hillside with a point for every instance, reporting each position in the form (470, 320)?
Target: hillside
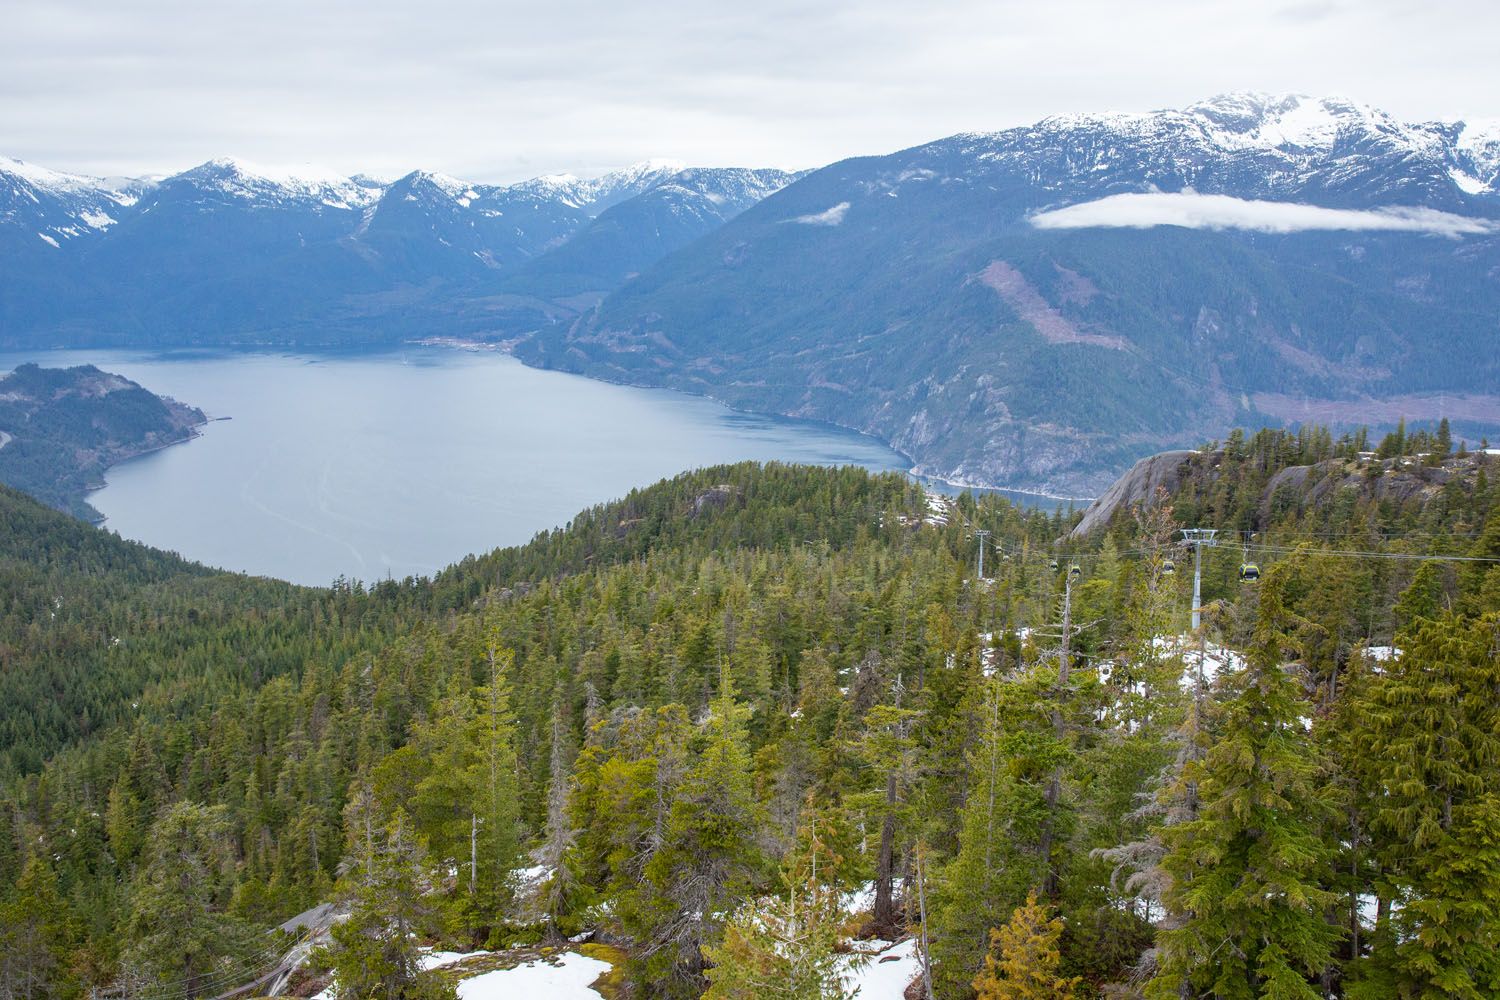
(1415, 480)
(1039, 307)
(793, 675)
(231, 253)
(60, 429)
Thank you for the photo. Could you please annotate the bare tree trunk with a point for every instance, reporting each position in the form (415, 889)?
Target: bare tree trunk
(885, 874)
(1059, 725)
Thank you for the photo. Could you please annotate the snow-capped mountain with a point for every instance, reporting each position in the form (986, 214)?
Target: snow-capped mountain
(313, 186)
(230, 249)
(633, 234)
(1037, 306)
(59, 207)
(1280, 147)
(595, 195)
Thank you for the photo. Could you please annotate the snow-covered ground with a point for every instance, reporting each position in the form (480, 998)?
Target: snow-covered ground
(890, 968)
(939, 509)
(565, 977)
(1216, 658)
(562, 977)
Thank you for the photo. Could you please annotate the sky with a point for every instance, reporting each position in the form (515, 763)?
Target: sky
(498, 91)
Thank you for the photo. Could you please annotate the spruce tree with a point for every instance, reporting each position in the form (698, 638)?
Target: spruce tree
(180, 930)
(1428, 760)
(36, 937)
(1248, 874)
(374, 953)
(708, 858)
(787, 946)
(997, 860)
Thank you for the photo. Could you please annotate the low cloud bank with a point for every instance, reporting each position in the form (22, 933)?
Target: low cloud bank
(829, 217)
(1217, 211)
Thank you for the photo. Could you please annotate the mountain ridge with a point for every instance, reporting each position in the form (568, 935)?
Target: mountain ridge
(229, 252)
(913, 296)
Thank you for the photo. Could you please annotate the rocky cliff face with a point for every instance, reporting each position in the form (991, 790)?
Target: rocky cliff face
(1138, 486)
(1292, 489)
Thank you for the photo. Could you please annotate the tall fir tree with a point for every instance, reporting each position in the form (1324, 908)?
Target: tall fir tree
(1428, 760)
(37, 936)
(787, 946)
(708, 858)
(375, 953)
(1248, 873)
(180, 929)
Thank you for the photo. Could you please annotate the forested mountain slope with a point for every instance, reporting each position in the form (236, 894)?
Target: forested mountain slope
(748, 671)
(1039, 307)
(60, 429)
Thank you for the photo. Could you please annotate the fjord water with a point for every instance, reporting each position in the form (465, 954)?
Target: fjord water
(401, 463)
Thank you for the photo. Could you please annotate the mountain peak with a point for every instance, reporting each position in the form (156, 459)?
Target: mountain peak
(52, 180)
(243, 179)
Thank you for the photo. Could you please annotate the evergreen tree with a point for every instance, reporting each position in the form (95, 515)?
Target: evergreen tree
(997, 860)
(374, 953)
(1247, 874)
(786, 947)
(1428, 758)
(36, 937)
(1024, 958)
(707, 860)
(180, 931)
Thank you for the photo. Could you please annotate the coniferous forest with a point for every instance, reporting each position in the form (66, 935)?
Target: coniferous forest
(690, 725)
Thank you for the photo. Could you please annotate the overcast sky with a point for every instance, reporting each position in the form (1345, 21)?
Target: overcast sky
(500, 91)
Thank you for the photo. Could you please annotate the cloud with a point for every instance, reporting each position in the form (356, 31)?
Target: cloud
(501, 90)
(1216, 211)
(829, 217)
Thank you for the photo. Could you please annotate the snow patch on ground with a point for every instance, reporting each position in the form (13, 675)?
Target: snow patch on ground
(566, 977)
(939, 509)
(861, 900)
(439, 959)
(1467, 184)
(890, 969)
(96, 219)
(1216, 658)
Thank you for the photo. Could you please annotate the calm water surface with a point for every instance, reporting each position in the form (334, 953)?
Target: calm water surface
(395, 464)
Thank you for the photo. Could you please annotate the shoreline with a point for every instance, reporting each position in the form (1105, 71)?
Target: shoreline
(194, 431)
(914, 470)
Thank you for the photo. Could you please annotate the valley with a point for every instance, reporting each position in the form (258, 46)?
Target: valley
(1033, 308)
(370, 465)
(564, 592)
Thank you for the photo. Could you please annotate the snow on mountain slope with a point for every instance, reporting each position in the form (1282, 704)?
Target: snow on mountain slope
(1250, 144)
(59, 207)
(596, 194)
(309, 184)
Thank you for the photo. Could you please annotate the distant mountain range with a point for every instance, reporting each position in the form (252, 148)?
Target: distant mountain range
(230, 253)
(1035, 308)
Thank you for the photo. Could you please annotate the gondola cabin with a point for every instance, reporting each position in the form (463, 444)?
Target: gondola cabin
(1168, 568)
(1249, 572)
